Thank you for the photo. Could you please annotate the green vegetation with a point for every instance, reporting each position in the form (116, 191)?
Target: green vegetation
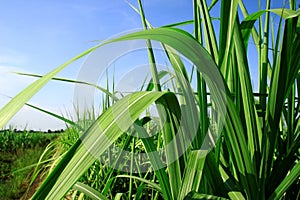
(20, 152)
(252, 151)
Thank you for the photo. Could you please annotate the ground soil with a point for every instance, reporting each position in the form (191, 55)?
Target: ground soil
(34, 187)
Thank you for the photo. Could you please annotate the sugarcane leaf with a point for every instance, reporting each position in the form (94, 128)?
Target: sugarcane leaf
(286, 182)
(193, 172)
(198, 196)
(149, 183)
(93, 144)
(249, 21)
(89, 191)
(73, 81)
(14, 105)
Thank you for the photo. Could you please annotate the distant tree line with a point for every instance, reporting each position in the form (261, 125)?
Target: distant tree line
(31, 131)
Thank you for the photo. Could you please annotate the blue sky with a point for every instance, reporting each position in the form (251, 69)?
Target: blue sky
(37, 36)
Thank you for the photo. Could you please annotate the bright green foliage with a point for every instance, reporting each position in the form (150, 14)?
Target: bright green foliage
(252, 139)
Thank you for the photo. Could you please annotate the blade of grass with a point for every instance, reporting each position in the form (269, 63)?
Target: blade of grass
(231, 185)
(94, 145)
(192, 173)
(156, 163)
(74, 81)
(153, 67)
(10, 109)
(228, 16)
(263, 68)
(242, 158)
(287, 181)
(197, 196)
(251, 118)
(169, 128)
(214, 176)
(247, 25)
(182, 42)
(90, 192)
(179, 24)
(201, 86)
(212, 4)
(235, 138)
(209, 33)
(44, 189)
(68, 121)
(282, 80)
(149, 183)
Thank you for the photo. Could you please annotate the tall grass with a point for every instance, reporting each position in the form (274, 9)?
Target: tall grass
(254, 150)
(19, 158)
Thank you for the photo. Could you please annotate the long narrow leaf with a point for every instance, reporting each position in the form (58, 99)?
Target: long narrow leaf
(90, 192)
(10, 109)
(193, 173)
(94, 144)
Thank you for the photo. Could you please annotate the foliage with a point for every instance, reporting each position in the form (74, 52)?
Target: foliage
(254, 153)
(19, 154)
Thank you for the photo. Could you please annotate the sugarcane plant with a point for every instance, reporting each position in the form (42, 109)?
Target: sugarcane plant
(241, 144)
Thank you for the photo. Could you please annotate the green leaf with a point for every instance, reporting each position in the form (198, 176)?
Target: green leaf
(247, 98)
(240, 155)
(283, 77)
(153, 67)
(248, 24)
(155, 159)
(46, 186)
(286, 182)
(161, 74)
(214, 176)
(149, 183)
(74, 81)
(209, 33)
(68, 121)
(94, 144)
(198, 196)
(286, 13)
(13, 106)
(228, 18)
(90, 192)
(179, 24)
(212, 4)
(119, 196)
(232, 185)
(187, 46)
(193, 172)
(249, 21)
